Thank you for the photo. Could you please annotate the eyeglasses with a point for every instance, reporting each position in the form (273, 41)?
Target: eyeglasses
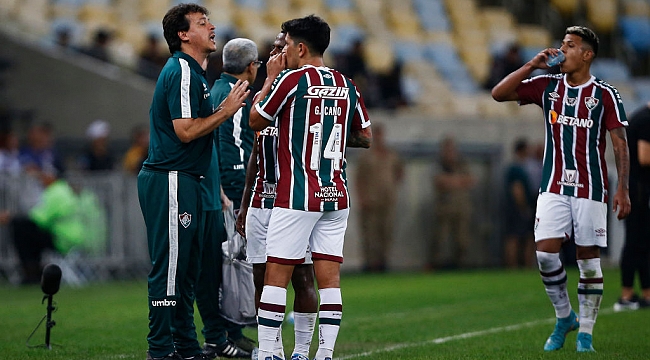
(257, 63)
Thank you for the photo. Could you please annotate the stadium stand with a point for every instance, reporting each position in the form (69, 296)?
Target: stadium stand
(448, 41)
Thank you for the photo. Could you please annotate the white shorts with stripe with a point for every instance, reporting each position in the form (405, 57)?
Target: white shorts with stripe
(292, 232)
(557, 215)
(257, 225)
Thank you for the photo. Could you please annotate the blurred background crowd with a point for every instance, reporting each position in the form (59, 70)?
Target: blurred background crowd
(76, 78)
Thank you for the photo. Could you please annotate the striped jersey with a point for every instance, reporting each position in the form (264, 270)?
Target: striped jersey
(316, 108)
(576, 122)
(263, 192)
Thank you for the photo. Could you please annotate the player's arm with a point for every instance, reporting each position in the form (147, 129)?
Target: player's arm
(225, 201)
(361, 138)
(274, 67)
(621, 201)
(251, 171)
(506, 89)
(188, 129)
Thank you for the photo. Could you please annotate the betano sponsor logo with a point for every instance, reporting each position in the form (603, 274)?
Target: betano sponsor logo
(554, 117)
(269, 131)
(327, 92)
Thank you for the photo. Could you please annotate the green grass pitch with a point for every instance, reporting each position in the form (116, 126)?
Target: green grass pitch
(480, 314)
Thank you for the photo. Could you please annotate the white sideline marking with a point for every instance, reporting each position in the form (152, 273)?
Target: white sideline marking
(467, 335)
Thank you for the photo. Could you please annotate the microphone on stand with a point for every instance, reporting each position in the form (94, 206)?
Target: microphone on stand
(50, 282)
(51, 279)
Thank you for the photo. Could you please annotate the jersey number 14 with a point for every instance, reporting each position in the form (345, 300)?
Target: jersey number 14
(332, 150)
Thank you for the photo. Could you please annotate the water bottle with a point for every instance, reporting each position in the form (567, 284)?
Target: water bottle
(555, 59)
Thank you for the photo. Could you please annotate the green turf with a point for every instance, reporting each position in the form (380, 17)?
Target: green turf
(456, 315)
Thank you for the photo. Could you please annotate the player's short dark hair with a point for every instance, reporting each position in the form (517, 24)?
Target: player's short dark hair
(310, 30)
(588, 36)
(176, 20)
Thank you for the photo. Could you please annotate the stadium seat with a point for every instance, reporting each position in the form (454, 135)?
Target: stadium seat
(339, 4)
(636, 31)
(636, 8)
(602, 14)
(379, 55)
(566, 8)
(343, 37)
(252, 4)
(408, 51)
(451, 67)
(96, 15)
(34, 14)
(8, 8)
(610, 70)
(153, 10)
(534, 36)
(432, 15)
(343, 17)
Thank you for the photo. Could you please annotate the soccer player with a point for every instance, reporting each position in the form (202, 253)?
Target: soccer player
(578, 110)
(252, 222)
(181, 120)
(319, 113)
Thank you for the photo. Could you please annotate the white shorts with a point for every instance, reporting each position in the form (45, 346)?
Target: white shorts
(257, 225)
(292, 232)
(558, 214)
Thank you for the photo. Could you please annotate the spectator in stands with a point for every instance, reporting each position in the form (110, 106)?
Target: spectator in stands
(390, 90)
(534, 167)
(636, 251)
(151, 60)
(503, 65)
(97, 155)
(137, 152)
(379, 173)
(9, 159)
(63, 36)
(519, 211)
(39, 152)
(53, 224)
(453, 207)
(353, 64)
(99, 46)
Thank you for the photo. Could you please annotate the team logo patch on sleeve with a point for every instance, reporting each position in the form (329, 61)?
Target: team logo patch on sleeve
(186, 219)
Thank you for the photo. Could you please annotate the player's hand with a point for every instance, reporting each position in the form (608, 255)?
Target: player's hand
(235, 99)
(225, 203)
(240, 223)
(622, 204)
(275, 65)
(539, 61)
